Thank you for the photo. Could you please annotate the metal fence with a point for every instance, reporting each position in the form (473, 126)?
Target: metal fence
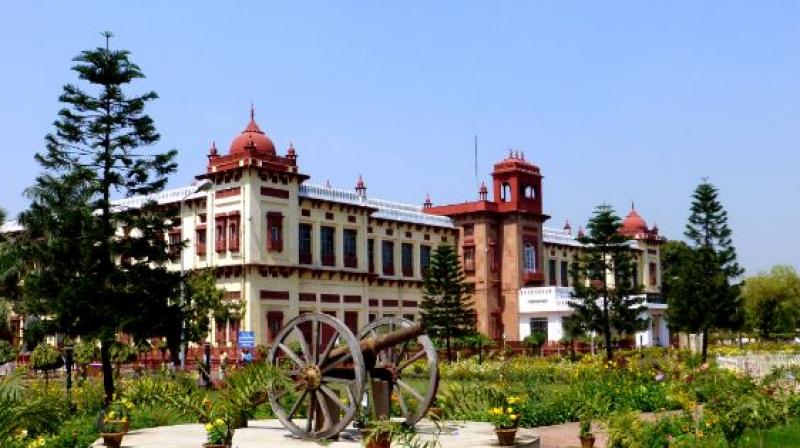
(758, 365)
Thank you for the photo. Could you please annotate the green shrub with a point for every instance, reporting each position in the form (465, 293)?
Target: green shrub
(7, 352)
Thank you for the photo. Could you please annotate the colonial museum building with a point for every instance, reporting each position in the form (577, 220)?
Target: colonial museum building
(283, 246)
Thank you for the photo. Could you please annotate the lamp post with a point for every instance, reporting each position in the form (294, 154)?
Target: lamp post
(203, 185)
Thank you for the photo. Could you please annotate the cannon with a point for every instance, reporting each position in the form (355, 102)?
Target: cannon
(330, 369)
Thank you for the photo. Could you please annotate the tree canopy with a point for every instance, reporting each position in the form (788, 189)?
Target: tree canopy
(699, 275)
(88, 278)
(605, 298)
(446, 308)
(772, 302)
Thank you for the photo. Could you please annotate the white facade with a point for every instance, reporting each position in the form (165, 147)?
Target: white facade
(544, 308)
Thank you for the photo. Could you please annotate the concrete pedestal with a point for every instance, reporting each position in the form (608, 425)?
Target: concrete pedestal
(270, 433)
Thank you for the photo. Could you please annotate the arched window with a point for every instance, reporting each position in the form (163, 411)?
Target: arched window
(505, 192)
(529, 192)
(529, 257)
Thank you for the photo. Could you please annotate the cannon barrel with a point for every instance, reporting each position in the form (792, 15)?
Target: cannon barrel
(370, 346)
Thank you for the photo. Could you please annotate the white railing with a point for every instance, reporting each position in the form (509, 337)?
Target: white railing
(558, 236)
(164, 197)
(385, 209)
(547, 298)
(331, 194)
(758, 365)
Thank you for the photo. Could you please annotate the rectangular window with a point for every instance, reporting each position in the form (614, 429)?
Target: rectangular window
(304, 243)
(424, 258)
(327, 245)
(351, 321)
(200, 240)
(469, 258)
(233, 331)
(551, 274)
(371, 255)
(233, 233)
(220, 331)
(407, 259)
(275, 231)
(539, 325)
(564, 273)
(635, 274)
(221, 240)
(408, 317)
(350, 237)
(274, 324)
(387, 254)
(469, 230)
(174, 244)
(653, 274)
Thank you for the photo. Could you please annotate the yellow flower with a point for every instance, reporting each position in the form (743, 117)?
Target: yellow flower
(509, 410)
(513, 416)
(209, 427)
(111, 415)
(219, 422)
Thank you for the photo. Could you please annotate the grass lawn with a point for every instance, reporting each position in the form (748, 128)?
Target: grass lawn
(778, 437)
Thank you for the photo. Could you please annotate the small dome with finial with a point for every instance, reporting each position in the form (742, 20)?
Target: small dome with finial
(567, 227)
(633, 224)
(428, 203)
(252, 139)
(212, 152)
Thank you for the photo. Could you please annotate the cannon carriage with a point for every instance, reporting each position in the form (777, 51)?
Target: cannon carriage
(331, 370)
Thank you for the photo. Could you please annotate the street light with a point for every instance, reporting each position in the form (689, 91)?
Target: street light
(203, 185)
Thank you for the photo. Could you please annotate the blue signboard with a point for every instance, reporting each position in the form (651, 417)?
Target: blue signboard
(247, 339)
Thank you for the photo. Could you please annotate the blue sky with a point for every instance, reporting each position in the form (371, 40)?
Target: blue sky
(615, 101)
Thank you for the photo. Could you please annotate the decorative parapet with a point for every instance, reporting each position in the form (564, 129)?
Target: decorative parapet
(393, 211)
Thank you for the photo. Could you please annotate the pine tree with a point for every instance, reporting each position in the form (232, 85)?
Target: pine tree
(599, 304)
(700, 293)
(99, 148)
(446, 308)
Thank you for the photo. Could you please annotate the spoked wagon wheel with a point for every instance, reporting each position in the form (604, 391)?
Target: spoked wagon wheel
(413, 395)
(326, 372)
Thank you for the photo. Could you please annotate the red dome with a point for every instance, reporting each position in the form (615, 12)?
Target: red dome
(252, 139)
(633, 224)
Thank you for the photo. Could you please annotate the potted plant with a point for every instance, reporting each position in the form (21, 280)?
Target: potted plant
(378, 433)
(505, 420)
(381, 433)
(435, 412)
(218, 434)
(112, 431)
(120, 412)
(586, 435)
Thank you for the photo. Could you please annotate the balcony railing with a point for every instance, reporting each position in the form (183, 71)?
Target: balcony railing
(408, 271)
(328, 260)
(388, 270)
(549, 298)
(350, 261)
(304, 258)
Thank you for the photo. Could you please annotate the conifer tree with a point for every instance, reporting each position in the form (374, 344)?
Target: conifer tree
(446, 308)
(700, 292)
(599, 304)
(99, 148)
